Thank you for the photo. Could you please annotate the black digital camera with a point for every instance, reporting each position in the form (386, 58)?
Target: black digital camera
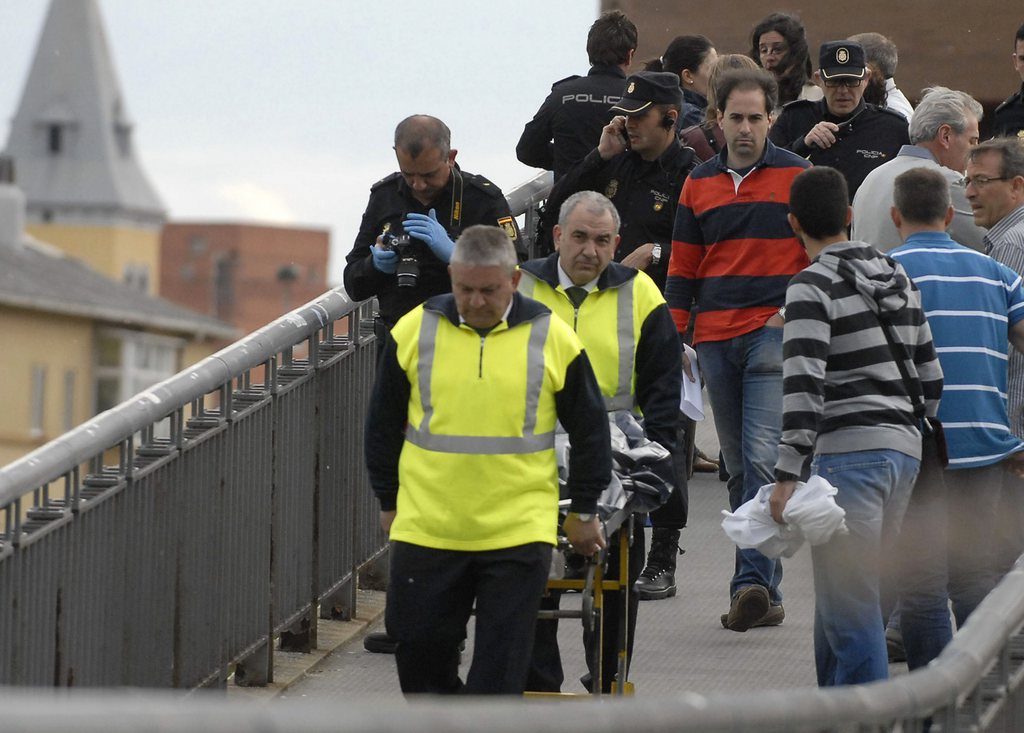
(408, 271)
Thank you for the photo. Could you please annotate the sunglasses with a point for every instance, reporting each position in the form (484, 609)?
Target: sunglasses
(843, 81)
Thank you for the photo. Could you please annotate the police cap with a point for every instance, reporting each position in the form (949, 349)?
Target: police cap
(646, 88)
(841, 59)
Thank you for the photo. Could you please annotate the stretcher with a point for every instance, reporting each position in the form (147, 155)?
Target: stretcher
(641, 481)
(588, 577)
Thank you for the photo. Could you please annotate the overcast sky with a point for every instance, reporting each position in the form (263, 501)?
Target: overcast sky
(284, 110)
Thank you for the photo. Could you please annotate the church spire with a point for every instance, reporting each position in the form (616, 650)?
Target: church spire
(71, 136)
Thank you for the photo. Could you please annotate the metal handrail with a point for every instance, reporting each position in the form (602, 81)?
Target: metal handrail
(64, 453)
(939, 691)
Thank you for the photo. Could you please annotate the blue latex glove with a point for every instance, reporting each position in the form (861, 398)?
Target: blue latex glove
(429, 230)
(384, 260)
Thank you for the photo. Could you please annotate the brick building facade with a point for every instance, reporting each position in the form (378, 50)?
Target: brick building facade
(245, 274)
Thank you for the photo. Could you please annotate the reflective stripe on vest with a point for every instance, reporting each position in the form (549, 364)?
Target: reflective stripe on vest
(623, 399)
(530, 442)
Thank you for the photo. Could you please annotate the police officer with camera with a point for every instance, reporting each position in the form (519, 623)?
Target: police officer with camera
(842, 130)
(406, 236)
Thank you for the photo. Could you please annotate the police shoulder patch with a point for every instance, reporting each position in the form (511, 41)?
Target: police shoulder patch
(509, 226)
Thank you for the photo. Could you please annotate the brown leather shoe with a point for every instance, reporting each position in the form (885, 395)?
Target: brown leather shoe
(749, 605)
(703, 464)
(774, 617)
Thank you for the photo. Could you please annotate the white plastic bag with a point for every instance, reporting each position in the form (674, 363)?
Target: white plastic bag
(811, 514)
(813, 510)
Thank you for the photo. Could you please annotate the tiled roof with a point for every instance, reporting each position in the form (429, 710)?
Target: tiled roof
(36, 276)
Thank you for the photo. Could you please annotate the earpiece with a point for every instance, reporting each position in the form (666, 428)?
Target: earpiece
(667, 122)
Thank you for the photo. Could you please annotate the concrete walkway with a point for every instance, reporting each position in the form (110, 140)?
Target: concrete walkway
(680, 642)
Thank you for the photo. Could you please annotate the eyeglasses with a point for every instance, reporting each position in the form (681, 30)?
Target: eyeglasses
(843, 81)
(777, 50)
(981, 181)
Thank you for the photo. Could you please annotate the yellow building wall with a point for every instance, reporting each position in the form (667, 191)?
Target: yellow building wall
(60, 344)
(109, 250)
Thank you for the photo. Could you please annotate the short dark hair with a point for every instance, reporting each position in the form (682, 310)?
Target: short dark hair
(798, 67)
(685, 52)
(819, 199)
(921, 195)
(1010, 151)
(1020, 35)
(726, 62)
(744, 79)
(611, 38)
(417, 133)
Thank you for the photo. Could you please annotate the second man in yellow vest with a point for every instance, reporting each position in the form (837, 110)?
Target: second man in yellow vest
(625, 326)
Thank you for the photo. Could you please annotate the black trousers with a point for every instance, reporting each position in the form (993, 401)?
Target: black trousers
(546, 665)
(429, 602)
(673, 513)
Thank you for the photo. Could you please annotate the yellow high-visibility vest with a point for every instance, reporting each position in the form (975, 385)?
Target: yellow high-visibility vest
(477, 470)
(608, 324)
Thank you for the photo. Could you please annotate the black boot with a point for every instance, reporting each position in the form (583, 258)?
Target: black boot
(658, 579)
(379, 642)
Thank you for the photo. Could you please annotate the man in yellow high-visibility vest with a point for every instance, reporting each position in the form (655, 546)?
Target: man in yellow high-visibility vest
(624, 324)
(460, 453)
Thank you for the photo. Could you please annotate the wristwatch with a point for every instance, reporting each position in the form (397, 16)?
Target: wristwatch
(656, 254)
(583, 517)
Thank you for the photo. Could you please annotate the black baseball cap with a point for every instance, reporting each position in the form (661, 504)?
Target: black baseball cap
(646, 88)
(841, 59)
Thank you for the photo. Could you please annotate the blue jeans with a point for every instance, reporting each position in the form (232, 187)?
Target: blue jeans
(744, 381)
(947, 551)
(849, 633)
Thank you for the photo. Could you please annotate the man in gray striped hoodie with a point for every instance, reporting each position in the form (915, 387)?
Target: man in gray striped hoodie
(848, 408)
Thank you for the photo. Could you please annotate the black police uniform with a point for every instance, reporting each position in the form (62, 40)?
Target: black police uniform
(1008, 119)
(868, 137)
(645, 193)
(572, 116)
(466, 200)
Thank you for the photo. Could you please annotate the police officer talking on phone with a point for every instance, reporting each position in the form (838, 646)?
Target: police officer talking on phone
(640, 165)
(842, 130)
(412, 219)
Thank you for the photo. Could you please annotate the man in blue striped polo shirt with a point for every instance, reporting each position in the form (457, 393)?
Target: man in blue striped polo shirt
(974, 305)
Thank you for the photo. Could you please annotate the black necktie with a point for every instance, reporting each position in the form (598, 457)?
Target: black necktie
(576, 295)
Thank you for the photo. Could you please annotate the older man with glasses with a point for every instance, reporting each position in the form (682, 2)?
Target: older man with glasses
(994, 185)
(841, 130)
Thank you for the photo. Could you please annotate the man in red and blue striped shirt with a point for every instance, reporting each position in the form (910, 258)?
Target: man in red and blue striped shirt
(733, 254)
